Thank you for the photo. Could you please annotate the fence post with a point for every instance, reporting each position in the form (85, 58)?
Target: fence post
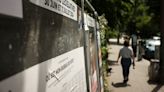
(85, 46)
(97, 53)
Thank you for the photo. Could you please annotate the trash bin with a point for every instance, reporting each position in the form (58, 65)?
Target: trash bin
(157, 52)
(153, 70)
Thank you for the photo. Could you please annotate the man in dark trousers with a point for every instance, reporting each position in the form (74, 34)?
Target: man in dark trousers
(134, 44)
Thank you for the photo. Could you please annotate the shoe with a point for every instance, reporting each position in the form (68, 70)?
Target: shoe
(125, 81)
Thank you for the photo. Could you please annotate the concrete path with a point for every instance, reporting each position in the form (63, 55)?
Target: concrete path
(138, 77)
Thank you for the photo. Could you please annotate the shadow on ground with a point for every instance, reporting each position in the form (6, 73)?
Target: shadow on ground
(157, 83)
(115, 43)
(157, 88)
(112, 63)
(120, 84)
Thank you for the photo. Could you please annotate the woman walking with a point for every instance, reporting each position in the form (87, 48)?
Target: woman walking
(127, 58)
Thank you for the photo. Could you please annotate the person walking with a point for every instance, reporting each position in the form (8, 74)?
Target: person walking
(127, 58)
(134, 44)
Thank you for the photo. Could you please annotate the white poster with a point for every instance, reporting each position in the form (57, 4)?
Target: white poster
(66, 8)
(65, 73)
(11, 8)
(90, 21)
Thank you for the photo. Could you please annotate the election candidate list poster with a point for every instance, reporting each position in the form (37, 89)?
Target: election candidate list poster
(66, 8)
(65, 73)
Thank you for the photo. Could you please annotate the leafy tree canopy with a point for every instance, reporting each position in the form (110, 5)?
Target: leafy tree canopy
(130, 16)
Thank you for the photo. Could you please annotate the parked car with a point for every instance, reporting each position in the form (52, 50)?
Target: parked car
(149, 47)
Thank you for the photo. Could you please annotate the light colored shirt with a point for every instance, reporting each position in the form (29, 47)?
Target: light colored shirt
(134, 39)
(126, 52)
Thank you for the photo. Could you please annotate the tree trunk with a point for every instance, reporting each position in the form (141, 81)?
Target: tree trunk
(118, 38)
(161, 71)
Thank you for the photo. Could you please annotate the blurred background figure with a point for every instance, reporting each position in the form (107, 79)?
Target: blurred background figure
(134, 43)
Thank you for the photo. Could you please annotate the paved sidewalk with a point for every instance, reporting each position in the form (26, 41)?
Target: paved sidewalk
(138, 77)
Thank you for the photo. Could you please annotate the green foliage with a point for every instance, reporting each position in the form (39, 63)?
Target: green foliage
(104, 52)
(105, 77)
(130, 15)
(105, 31)
(142, 21)
(104, 28)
